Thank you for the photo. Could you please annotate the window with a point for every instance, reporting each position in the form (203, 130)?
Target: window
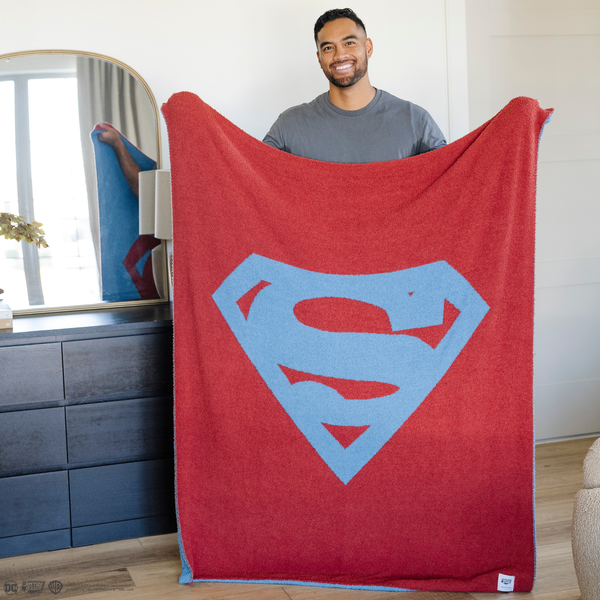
(42, 178)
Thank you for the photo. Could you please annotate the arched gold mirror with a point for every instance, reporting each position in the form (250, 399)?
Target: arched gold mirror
(50, 103)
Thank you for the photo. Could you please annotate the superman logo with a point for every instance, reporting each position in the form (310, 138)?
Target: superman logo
(349, 387)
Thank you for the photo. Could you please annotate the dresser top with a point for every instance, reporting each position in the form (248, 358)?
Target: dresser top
(87, 324)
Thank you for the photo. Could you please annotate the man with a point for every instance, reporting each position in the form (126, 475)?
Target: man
(353, 122)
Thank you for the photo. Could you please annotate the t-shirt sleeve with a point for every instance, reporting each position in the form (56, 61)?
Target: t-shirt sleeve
(432, 137)
(274, 137)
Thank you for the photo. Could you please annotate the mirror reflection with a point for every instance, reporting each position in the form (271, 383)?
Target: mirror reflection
(52, 168)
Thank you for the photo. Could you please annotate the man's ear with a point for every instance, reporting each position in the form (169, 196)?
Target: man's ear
(319, 59)
(369, 44)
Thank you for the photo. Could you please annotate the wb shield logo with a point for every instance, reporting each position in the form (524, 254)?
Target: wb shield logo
(334, 382)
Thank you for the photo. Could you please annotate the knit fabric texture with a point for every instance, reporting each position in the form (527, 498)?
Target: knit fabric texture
(354, 359)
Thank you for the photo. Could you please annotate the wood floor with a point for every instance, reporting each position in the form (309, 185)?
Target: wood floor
(148, 568)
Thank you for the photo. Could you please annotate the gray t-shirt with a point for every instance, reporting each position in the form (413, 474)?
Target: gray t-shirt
(386, 129)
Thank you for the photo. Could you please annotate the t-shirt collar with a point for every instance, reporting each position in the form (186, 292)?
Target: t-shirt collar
(353, 113)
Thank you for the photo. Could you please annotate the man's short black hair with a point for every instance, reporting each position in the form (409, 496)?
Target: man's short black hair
(337, 13)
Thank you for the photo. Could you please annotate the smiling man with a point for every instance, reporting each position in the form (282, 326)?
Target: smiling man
(353, 122)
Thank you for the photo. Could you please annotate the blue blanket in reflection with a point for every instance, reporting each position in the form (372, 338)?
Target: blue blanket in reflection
(125, 258)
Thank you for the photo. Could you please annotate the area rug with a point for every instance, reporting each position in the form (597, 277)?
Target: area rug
(125, 255)
(354, 359)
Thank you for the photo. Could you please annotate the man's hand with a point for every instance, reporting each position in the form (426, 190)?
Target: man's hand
(110, 136)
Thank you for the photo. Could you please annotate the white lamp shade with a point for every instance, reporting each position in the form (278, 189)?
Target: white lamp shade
(163, 227)
(147, 186)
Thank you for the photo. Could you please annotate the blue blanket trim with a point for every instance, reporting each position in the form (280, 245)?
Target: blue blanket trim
(186, 570)
(532, 386)
(371, 588)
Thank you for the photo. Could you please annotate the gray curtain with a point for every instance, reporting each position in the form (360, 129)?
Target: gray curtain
(108, 93)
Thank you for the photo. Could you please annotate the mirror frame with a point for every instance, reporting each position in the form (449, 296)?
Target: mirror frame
(102, 305)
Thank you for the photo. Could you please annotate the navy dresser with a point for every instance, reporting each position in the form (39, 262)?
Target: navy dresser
(86, 429)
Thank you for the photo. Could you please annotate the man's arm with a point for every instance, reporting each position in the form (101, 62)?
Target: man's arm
(274, 137)
(109, 135)
(432, 137)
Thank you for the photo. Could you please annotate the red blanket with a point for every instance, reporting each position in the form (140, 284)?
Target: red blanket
(353, 359)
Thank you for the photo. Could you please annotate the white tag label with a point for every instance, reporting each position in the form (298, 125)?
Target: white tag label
(506, 583)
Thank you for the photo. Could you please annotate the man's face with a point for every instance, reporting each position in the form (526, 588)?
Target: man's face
(343, 51)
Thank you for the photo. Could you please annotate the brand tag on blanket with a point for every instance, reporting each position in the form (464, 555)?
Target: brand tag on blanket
(311, 370)
(506, 583)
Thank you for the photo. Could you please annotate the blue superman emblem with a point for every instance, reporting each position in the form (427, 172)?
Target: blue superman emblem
(407, 369)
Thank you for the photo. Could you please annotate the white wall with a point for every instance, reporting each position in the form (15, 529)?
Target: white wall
(550, 50)
(252, 60)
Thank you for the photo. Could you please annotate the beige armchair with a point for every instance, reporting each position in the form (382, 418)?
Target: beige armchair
(585, 536)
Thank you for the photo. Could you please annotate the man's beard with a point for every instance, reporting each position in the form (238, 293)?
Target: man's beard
(346, 81)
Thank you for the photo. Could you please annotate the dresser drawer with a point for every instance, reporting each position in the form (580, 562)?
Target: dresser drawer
(123, 430)
(31, 374)
(121, 492)
(34, 503)
(122, 530)
(32, 439)
(136, 366)
(35, 542)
